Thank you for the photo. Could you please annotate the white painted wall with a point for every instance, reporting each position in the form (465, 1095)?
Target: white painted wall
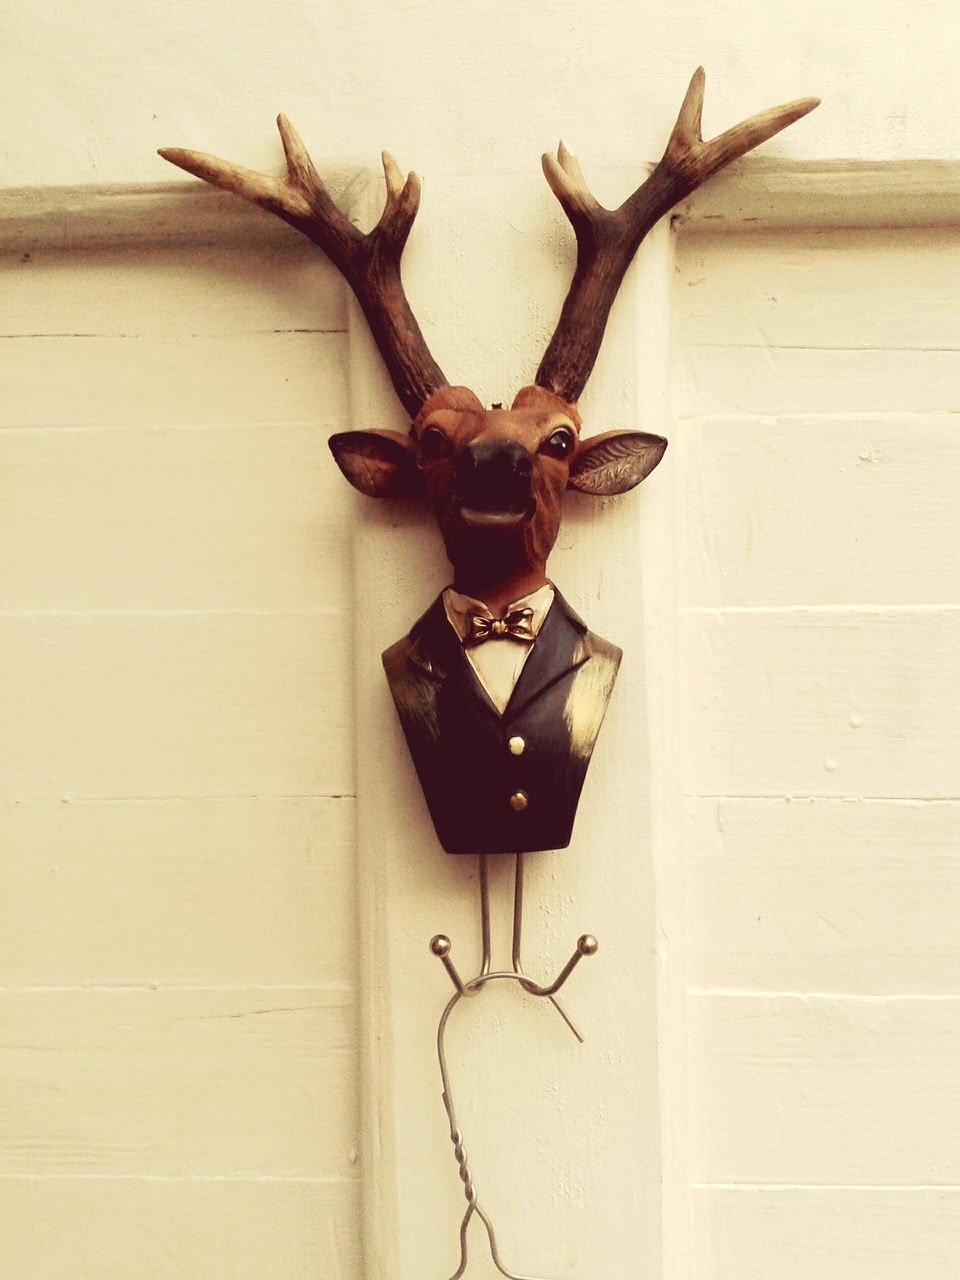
(178, 996)
(817, 383)
(87, 92)
(179, 1016)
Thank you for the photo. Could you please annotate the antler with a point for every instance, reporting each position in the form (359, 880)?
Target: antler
(608, 239)
(369, 263)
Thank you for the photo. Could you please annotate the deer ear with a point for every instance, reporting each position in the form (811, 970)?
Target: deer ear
(381, 464)
(614, 462)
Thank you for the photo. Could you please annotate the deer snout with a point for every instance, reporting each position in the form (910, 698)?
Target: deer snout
(493, 459)
(493, 478)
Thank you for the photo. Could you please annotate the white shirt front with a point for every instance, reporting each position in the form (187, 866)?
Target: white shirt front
(499, 661)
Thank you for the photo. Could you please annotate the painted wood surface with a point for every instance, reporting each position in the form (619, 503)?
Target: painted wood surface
(178, 966)
(764, 193)
(794, 1233)
(825, 1090)
(202, 528)
(869, 698)
(133, 382)
(840, 510)
(563, 1140)
(889, 289)
(171, 1082)
(215, 1103)
(111, 289)
(244, 892)
(216, 77)
(806, 380)
(122, 706)
(758, 194)
(118, 1228)
(816, 395)
(839, 896)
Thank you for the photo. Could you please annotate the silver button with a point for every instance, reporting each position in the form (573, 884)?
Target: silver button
(516, 746)
(519, 801)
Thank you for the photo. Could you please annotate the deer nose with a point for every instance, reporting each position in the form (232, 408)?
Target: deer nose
(493, 473)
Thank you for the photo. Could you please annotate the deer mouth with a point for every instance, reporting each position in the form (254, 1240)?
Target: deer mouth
(497, 495)
(495, 517)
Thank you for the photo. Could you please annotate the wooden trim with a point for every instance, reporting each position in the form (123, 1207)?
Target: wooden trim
(627, 1002)
(821, 195)
(757, 194)
(127, 215)
(657, 580)
(380, 822)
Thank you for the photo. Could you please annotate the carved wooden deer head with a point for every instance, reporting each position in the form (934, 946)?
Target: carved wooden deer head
(496, 476)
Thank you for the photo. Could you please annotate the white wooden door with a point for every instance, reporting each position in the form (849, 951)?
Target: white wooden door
(217, 884)
(817, 385)
(178, 992)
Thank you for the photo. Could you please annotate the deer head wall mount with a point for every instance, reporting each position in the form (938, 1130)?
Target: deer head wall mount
(496, 478)
(500, 687)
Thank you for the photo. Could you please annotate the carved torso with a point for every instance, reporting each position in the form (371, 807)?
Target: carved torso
(505, 783)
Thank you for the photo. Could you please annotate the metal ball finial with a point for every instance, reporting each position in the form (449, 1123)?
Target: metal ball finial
(440, 945)
(587, 945)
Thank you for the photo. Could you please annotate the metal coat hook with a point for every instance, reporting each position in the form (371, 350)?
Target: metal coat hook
(441, 947)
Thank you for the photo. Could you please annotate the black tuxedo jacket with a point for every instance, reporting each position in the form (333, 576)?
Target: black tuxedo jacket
(502, 783)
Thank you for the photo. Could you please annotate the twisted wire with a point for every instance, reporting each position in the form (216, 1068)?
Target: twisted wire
(460, 1154)
(456, 1136)
(440, 946)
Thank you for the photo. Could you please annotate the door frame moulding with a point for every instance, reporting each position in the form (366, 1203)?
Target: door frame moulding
(756, 194)
(825, 195)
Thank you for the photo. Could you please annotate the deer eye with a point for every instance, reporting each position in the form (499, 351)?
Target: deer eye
(433, 445)
(559, 444)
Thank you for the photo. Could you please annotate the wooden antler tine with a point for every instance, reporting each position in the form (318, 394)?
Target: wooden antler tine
(301, 171)
(370, 263)
(258, 188)
(607, 239)
(688, 157)
(568, 184)
(690, 115)
(402, 203)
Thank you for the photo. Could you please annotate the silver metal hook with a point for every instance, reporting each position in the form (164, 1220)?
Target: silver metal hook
(517, 932)
(485, 911)
(456, 1137)
(441, 947)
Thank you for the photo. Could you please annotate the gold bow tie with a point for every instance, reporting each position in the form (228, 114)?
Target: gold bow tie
(514, 625)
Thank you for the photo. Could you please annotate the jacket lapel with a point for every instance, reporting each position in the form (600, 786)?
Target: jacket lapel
(436, 650)
(559, 649)
(562, 645)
